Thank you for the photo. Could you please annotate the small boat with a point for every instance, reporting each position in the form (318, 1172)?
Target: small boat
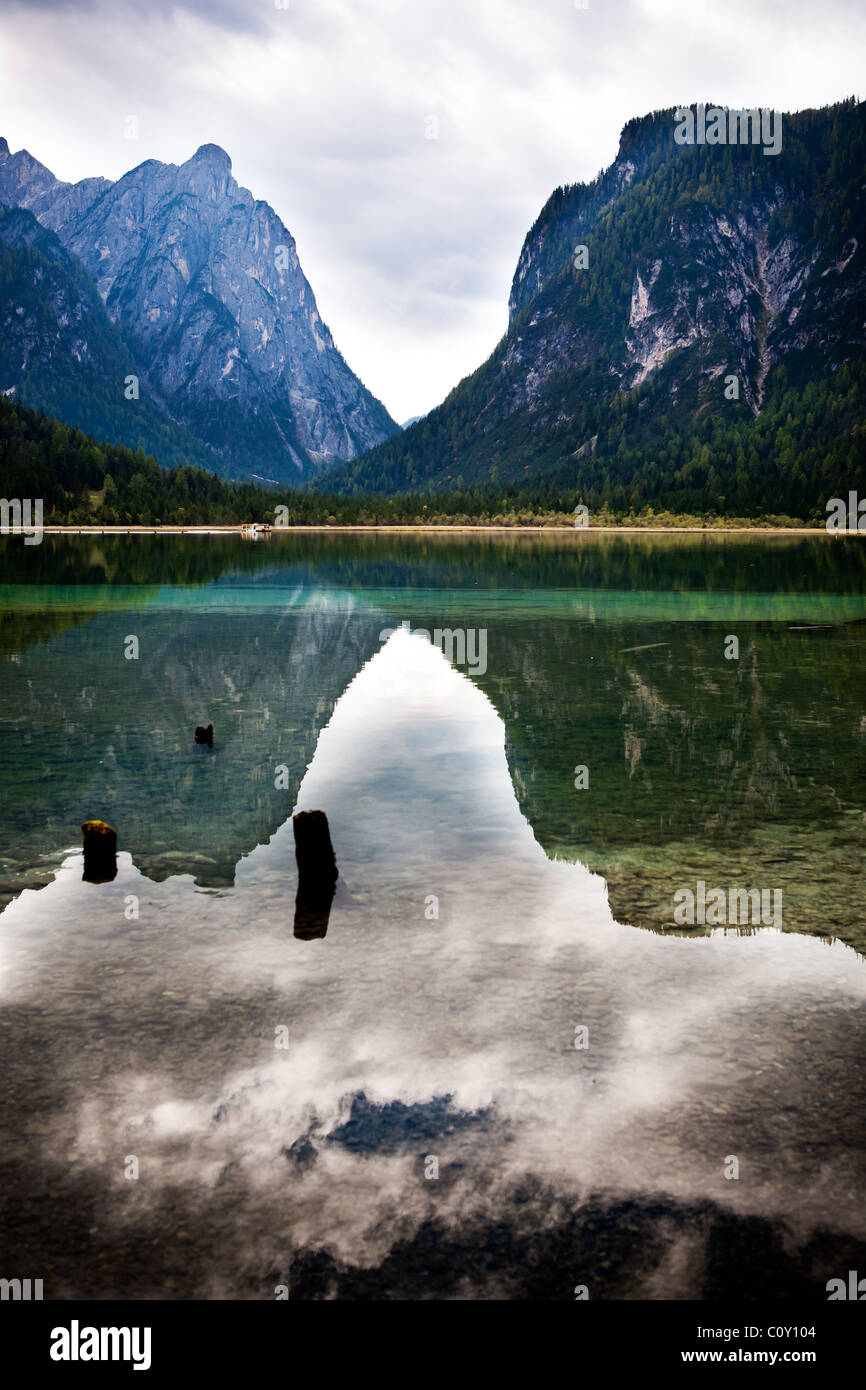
(256, 531)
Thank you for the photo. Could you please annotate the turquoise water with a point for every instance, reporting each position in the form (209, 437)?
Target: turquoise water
(435, 1125)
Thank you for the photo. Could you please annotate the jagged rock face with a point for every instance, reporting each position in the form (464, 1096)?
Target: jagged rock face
(206, 285)
(26, 183)
(738, 298)
(586, 204)
(58, 319)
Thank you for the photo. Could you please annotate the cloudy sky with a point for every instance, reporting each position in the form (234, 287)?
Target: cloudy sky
(407, 144)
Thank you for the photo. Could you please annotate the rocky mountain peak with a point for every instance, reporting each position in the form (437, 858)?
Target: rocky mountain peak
(204, 284)
(208, 172)
(214, 155)
(23, 179)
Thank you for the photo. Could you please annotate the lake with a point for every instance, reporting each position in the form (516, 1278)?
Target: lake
(586, 1014)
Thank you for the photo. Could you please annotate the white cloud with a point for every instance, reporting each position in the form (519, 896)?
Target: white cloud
(410, 243)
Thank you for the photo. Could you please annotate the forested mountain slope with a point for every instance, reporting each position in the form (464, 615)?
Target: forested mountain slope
(704, 353)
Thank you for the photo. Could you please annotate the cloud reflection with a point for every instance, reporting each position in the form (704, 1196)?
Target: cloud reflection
(452, 1037)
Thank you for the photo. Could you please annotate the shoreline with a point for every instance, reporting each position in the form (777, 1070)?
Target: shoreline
(237, 530)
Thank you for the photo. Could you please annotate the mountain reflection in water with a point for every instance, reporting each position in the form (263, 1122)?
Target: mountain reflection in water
(432, 1128)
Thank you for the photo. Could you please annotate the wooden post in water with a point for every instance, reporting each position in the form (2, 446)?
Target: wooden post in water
(317, 874)
(100, 852)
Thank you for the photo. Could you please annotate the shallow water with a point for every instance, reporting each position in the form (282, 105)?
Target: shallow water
(435, 1126)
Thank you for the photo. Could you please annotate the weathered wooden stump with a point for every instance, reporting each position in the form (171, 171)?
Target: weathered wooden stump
(100, 851)
(317, 874)
(204, 735)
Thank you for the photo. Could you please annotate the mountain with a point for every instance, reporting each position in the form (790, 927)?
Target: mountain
(59, 347)
(614, 382)
(212, 310)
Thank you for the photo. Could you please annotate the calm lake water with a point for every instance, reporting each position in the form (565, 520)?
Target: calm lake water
(506, 1066)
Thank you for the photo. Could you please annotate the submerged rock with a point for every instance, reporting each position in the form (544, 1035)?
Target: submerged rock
(204, 736)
